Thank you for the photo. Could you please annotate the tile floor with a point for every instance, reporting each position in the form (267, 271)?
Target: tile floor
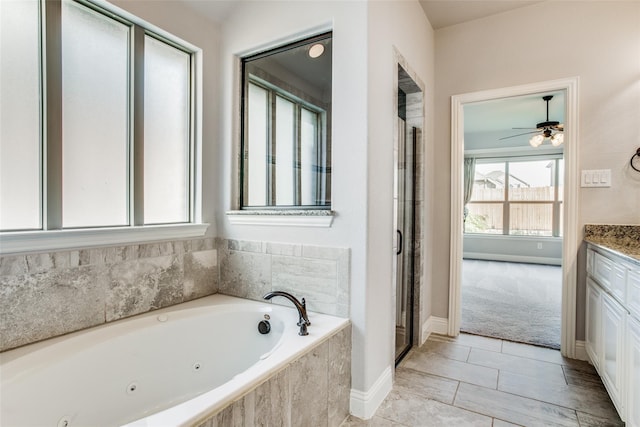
(479, 381)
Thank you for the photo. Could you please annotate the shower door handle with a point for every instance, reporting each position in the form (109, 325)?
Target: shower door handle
(399, 248)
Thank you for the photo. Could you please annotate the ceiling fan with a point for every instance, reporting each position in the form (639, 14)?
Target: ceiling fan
(547, 129)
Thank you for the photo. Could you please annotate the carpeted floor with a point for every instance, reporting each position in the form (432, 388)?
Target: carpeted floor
(512, 301)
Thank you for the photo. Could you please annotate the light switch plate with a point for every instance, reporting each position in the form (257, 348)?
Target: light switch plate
(596, 178)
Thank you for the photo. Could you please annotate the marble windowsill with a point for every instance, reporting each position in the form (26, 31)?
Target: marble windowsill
(286, 218)
(621, 239)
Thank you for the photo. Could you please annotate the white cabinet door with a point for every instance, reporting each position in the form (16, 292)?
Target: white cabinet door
(613, 335)
(633, 374)
(593, 331)
(633, 291)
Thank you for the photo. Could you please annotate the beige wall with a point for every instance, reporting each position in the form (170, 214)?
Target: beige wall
(597, 41)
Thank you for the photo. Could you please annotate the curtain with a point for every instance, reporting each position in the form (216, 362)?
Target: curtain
(469, 175)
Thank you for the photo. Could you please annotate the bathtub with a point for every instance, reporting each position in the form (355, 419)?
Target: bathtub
(170, 367)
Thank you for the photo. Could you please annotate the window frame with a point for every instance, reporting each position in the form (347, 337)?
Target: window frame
(273, 91)
(51, 235)
(506, 202)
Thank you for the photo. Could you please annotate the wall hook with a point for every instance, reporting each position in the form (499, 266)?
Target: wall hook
(633, 158)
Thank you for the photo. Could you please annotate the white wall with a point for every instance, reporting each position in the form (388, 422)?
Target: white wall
(364, 68)
(401, 25)
(531, 249)
(256, 26)
(362, 170)
(599, 41)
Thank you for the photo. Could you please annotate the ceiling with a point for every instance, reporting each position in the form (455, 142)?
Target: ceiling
(486, 117)
(515, 112)
(443, 13)
(488, 121)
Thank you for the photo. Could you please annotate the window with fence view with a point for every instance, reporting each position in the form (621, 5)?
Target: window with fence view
(521, 197)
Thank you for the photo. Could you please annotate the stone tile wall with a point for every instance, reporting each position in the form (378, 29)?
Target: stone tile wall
(310, 391)
(250, 269)
(48, 294)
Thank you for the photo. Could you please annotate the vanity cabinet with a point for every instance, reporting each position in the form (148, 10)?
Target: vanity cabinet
(613, 328)
(633, 373)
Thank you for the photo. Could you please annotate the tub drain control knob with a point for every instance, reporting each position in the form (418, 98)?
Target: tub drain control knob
(264, 327)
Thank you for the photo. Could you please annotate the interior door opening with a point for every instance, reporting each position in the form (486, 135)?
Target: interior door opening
(565, 220)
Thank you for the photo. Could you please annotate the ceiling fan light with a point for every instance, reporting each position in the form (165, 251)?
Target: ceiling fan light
(557, 139)
(536, 140)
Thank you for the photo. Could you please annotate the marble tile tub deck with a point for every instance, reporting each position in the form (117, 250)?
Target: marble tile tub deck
(478, 381)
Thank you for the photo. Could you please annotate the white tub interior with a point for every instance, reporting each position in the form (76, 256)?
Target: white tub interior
(168, 367)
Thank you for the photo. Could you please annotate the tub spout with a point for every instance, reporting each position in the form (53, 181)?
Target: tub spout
(303, 321)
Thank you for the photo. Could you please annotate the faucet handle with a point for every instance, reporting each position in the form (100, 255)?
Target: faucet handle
(306, 318)
(303, 329)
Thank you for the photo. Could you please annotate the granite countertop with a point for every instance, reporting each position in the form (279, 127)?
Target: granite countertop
(621, 239)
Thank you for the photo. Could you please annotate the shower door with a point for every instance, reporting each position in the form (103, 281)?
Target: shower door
(404, 213)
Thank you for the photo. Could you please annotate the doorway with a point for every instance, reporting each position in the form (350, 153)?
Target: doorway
(512, 241)
(569, 192)
(407, 215)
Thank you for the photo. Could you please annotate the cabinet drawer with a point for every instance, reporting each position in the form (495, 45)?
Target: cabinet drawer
(633, 292)
(602, 270)
(590, 256)
(619, 282)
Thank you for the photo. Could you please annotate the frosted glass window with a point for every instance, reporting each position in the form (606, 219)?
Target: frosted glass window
(20, 174)
(308, 156)
(256, 145)
(166, 133)
(285, 152)
(95, 80)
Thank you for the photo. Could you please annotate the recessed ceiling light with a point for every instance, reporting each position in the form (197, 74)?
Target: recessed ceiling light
(316, 50)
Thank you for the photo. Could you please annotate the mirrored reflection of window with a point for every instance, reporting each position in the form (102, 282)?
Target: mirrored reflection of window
(286, 132)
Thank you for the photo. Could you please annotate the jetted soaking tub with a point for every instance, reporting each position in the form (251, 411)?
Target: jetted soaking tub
(170, 367)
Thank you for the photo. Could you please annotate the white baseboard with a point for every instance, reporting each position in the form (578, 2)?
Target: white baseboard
(512, 258)
(365, 403)
(434, 325)
(581, 351)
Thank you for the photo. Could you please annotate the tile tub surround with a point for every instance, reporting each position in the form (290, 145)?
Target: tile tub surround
(250, 269)
(310, 391)
(624, 239)
(43, 295)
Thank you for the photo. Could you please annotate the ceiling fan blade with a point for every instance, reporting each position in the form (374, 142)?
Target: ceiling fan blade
(520, 134)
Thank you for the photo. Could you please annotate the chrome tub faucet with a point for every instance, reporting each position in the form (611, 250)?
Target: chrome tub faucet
(303, 321)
